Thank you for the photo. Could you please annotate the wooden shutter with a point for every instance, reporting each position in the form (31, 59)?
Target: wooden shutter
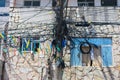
(76, 57)
(106, 51)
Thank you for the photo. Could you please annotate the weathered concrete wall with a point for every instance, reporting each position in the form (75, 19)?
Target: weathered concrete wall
(27, 66)
(98, 72)
(4, 18)
(23, 67)
(20, 3)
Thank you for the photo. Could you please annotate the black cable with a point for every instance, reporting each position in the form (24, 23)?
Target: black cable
(47, 13)
(34, 14)
(83, 44)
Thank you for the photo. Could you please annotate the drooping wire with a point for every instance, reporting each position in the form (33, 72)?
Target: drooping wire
(31, 17)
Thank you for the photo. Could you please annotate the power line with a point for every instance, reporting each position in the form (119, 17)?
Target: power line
(44, 14)
(34, 14)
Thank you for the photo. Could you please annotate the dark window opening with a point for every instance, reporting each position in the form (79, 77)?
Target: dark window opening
(109, 2)
(27, 3)
(36, 3)
(85, 2)
(36, 46)
(31, 3)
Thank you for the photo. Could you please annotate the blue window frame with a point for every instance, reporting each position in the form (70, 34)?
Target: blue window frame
(106, 51)
(27, 44)
(76, 57)
(2, 3)
(30, 44)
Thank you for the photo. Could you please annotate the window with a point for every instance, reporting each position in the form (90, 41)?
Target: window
(26, 44)
(29, 44)
(29, 3)
(2, 3)
(85, 2)
(109, 2)
(100, 56)
(36, 45)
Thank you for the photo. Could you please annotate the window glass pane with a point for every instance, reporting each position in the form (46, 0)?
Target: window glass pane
(85, 2)
(91, 4)
(109, 2)
(82, 4)
(36, 3)
(27, 3)
(36, 46)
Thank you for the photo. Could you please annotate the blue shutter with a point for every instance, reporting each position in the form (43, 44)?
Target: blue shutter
(76, 59)
(2, 3)
(106, 51)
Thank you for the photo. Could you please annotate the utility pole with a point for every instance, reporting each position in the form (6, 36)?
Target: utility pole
(59, 34)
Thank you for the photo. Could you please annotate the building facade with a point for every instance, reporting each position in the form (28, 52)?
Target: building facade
(4, 12)
(31, 34)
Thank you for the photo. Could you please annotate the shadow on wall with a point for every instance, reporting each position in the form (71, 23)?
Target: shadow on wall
(106, 71)
(3, 72)
(96, 70)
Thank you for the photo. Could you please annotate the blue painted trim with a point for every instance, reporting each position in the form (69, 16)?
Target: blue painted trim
(97, 41)
(24, 45)
(75, 51)
(76, 57)
(2, 3)
(4, 14)
(106, 55)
